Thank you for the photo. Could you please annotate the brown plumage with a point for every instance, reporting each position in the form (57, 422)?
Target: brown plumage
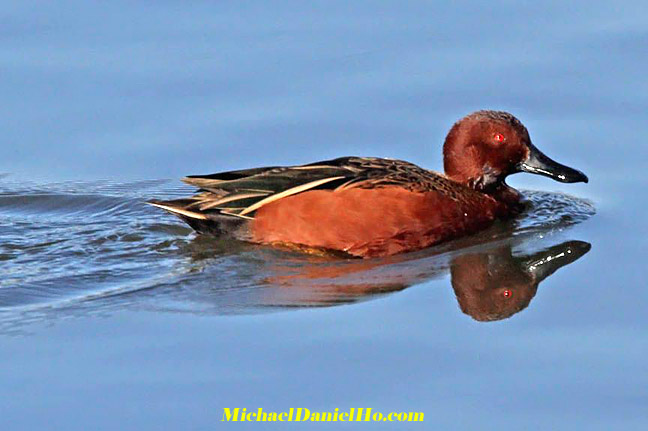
(370, 207)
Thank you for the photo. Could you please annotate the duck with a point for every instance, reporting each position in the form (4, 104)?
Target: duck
(368, 207)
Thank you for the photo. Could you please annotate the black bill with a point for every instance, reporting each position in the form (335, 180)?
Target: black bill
(538, 163)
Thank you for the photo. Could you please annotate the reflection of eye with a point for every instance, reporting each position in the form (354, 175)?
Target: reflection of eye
(507, 293)
(498, 137)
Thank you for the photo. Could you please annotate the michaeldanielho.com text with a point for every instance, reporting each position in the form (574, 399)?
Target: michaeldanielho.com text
(305, 415)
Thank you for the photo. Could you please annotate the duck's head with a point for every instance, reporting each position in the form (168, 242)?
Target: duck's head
(483, 148)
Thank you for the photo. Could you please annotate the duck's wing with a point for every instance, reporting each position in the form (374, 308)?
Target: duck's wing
(241, 193)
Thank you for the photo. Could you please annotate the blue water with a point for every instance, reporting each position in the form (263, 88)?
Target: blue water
(113, 315)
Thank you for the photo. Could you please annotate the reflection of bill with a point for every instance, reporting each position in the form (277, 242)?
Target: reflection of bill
(490, 284)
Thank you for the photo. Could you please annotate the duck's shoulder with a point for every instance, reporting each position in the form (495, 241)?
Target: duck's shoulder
(375, 172)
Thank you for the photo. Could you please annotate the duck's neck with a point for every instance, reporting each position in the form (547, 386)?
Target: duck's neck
(505, 194)
(482, 178)
(510, 198)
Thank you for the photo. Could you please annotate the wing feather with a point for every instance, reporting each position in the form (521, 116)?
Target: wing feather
(289, 192)
(240, 193)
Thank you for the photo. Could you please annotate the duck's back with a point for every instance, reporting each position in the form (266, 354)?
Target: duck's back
(361, 206)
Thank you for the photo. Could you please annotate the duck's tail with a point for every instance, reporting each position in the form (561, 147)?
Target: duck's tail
(210, 223)
(177, 207)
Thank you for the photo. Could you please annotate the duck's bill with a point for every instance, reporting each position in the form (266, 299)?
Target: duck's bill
(538, 163)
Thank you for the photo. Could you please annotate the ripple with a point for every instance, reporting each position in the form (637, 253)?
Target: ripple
(97, 246)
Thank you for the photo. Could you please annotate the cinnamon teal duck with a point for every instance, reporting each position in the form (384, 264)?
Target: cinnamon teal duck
(370, 207)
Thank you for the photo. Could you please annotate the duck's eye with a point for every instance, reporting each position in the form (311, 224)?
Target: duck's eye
(507, 293)
(498, 137)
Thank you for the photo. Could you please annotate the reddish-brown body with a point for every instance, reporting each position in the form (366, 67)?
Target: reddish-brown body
(372, 222)
(367, 206)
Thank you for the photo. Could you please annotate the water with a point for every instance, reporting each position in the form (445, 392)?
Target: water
(114, 315)
(69, 245)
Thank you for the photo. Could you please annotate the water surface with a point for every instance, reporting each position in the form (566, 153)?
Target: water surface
(113, 315)
(98, 245)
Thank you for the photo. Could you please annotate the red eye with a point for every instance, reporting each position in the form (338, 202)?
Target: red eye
(507, 293)
(498, 137)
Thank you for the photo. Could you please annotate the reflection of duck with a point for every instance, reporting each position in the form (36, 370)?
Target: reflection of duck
(254, 280)
(370, 207)
(490, 284)
(496, 284)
